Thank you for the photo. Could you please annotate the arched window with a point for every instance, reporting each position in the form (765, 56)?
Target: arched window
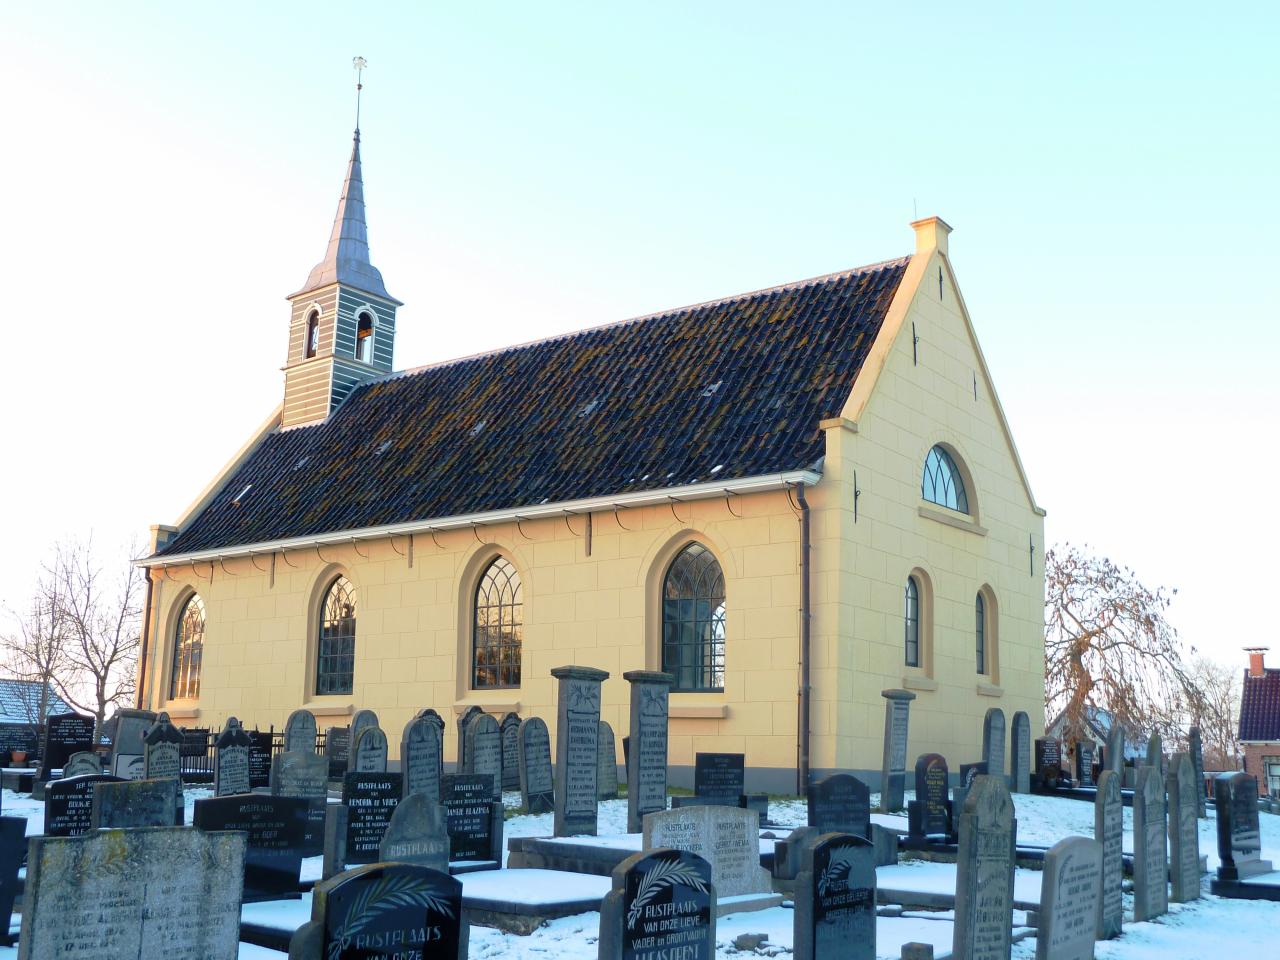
(364, 338)
(693, 620)
(499, 627)
(911, 621)
(942, 483)
(313, 334)
(980, 631)
(188, 647)
(336, 649)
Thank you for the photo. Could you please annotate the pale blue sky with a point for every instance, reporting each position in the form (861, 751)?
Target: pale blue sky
(170, 174)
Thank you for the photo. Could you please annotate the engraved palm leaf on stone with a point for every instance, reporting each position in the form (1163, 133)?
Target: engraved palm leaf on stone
(583, 696)
(659, 877)
(836, 875)
(386, 893)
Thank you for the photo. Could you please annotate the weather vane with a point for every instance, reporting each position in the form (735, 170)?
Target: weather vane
(359, 63)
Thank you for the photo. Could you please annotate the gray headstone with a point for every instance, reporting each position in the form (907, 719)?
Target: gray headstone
(127, 728)
(1155, 752)
(984, 872)
(840, 803)
(135, 803)
(1150, 867)
(231, 760)
(647, 763)
(1020, 753)
(917, 951)
(1115, 746)
(537, 785)
(417, 834)
(993, 741)
(300, 732)
(1108, 830)
(727, 837)
(1235, 797)
(464, 721)
(577, 760)
(299, 773)
(1184, 830)
(171, 892)
(1069, 894)
(1196, 748)
(438, 722)
(362, 719)
(82, 764)
(484, 751)
(662, 905)
(420, 748)
(369, 751)
(162, 749)
(835, 900)
(893, 770)
(607, 755)
(510, 727)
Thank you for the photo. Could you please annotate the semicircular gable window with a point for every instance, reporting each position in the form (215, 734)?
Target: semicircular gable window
(188, 648)
(693, 620)
(942, 482)
(336, 653)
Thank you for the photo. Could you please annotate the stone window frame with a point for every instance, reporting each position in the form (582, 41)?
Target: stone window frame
(925, 592)
(718, 619)
(321, 587)
(991, 633)
(177, 620)
(474, 621)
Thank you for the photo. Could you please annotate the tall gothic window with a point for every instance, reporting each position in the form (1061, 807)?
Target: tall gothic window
(188, 647)
(364, 338)
(980, 632)
(693, 620)
(313, 335)
(336, 649)
(911, 622)
(942, 483)
(499, 627)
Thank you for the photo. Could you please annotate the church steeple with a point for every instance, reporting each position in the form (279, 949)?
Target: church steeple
(343, 324)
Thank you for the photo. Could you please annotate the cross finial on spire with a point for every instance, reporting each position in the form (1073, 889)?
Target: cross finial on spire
(359, 63)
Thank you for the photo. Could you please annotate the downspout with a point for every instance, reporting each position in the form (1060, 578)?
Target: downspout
(146, 637)
(802, 747)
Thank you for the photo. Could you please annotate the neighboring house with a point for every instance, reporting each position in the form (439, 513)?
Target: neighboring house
(633, 496)
(20, 702)
(1098, 727)
(1260, 722)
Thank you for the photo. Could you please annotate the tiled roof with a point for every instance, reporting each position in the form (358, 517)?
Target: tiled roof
(729, 389)
(20, 702)
(1260, 706)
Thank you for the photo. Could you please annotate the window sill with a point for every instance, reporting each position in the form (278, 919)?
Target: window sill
(989, 690)
(715, 711)
(327, 708)
(927, 684)
(489, 703)
(958, 520)
(179, 712)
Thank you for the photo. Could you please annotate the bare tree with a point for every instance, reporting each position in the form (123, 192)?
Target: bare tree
(35, 650)
(1213, 704)
(1108, 645)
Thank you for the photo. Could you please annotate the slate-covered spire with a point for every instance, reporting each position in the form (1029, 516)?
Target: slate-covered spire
(347, 259)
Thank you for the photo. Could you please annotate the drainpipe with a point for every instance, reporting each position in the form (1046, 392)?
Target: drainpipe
(802, 747)
(146, 636)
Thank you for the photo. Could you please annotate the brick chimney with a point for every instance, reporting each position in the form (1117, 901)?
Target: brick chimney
(1257, 656)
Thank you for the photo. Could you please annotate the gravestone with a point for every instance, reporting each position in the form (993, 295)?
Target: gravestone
(484, 750)
(1150, 868)
(305, 774)
(840, 803)
(275, 827)
(387, 911)
(1196, 748)
(464, 722)
(893, 770)
(361, 720)
(300, 732)
(370, 799)
(969, 772)
(368, 751)
(984, 872)
(417, 834)
(134, 803)
(337, 750)
(719, 777)
(1184, 830)
(1115, 746)
(835, 900)
(534, 759)
(1020, 753)
(1084, 763)
(993, 741)
(510, 728)
(646, 747)
(728, 837)
(577, 760)
(65, 734)
(472, 817)
(662, 906)
(931, 809)
(607, 761)
(437, 721)
(126, 730)
(1108, 830)
(420, 757)
(162, 750)
(260, 754)
(82, 764)
(231, 760)
(1070, 892)
(1048, 762)
(1239, 836)
(68, 804)
(166, 892)
(1155, 752)
(13, 853)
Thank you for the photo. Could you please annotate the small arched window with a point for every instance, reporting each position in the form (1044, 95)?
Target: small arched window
(980, 631)
(336, 646)
(498, 633)
(911, 622)
(942, 483)
(693, 620)
(364, 338)
(313, 334)
(188, 648)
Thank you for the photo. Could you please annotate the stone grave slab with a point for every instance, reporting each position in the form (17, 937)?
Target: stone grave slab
(65, 734)
(1108, 830)
(893, 770)
(984, 872)
(1184, 829)
(835, 900)
(420, 757)
(68, 804)
(662, 905)
(438, 722)
(81, 764)
(472, 816)
(1155, 752)
(510, 729)
(537, 784)
(1084, 763)
(231, 760)
(464, 722)
(360, 720)
(304, 774)
(993, 741)
(300, 731)
(607, 758)
(13, 853)
(369, 751)
(134, 803)
(261, 752)
(930, 812)
(1069, 900)
(840, 803)
(727, 837)
(370, 799)
(1048, 762)
(417, 834)
(1114, 755)
(1195, 747)
(484, 750)
(719, 778)
(275, 827)
(577, 760)
(337, 750)
(646, 747)
(1239, 831)
(1150, 867)
(1020, 753)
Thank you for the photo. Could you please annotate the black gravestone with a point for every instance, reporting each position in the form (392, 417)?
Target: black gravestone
(469, 816)
(1084, 763)
(840, 804)
(134, 803)
(65, 734)
(464, 721)
(337, 747)
(18, 736)
(931, 809)
(260, 759)
(68, 804)
(662, 905)
(719, 777)
(1239, 834)
(835, 900)
(1048, 762)
(275, 826)
(388, 911)
(370, 799)
(510, 729)
(13, 851)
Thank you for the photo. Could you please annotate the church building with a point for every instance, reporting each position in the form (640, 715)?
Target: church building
(790, 500)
